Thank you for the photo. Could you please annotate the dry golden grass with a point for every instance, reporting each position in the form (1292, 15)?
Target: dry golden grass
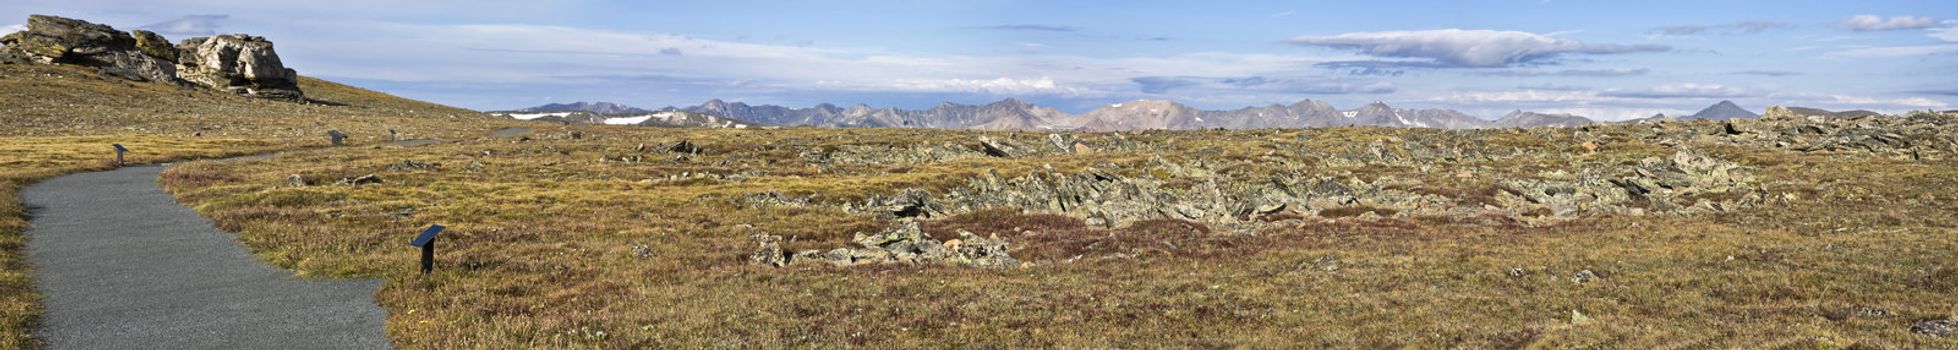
(540, 250)
(540, 253)
(60, 120)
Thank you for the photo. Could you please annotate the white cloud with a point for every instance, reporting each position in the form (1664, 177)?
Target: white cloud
(1467, 48)
(1895, 51)
(1946, 34)
(1529, 95)
(1686, 90)
(569, 57)
(1865, 23)
(188, 26)
(1858, 102)
(1736, 28)
(1607, 72)
(996, 86)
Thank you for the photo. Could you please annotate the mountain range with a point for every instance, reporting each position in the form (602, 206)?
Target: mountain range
(602, 108)
(639, 117)
(1016, 114)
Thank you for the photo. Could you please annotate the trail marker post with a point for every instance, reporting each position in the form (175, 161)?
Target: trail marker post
(337, 136)
(119, 151)
(427, 242)
(390, 135)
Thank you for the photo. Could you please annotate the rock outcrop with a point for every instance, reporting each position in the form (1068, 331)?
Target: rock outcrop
(240, 64)
(904, 244)
(57, 40)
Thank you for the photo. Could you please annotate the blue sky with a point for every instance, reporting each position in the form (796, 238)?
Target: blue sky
(1608, 60)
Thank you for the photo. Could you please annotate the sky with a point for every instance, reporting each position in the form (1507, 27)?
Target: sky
(1607, 60)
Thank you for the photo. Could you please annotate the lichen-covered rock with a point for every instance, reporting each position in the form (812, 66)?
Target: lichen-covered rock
(58, 40)
(996, 148)
(53, 39)
(240, 64)
(901, 244)
(770, 251)
(972, 250)
(153, 44)
(1936, 328)
(9, 57)
(413, 165)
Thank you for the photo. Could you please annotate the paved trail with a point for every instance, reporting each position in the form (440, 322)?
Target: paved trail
(123, 266)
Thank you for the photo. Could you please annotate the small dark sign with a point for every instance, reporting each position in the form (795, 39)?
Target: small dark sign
(119, 152)
(337, 136)
(427, 241)
(428, 236)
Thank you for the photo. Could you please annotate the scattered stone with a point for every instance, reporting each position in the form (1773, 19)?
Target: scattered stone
(970, 249)
(1060, 142)
(1584, 276)
(297, 181)
(1936, 328)
(368, 179)
(769, 199)
(904, 244)
(1328, 263)
(995, 148)
(413, 165)
(1578, 318)
(770, 252)
(684, 147)
(1872, 312)
(1517, 272)
(643, 251)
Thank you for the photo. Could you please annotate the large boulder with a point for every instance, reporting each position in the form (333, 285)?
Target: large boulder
(240, 64)
(50, 40)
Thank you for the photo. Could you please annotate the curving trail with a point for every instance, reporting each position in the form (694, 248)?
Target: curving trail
(123, 266)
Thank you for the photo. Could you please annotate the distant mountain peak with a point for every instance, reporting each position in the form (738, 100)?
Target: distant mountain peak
(593, 107)
(1722, 111)
(1013, 102)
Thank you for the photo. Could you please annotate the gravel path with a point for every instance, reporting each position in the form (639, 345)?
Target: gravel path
(123, 266)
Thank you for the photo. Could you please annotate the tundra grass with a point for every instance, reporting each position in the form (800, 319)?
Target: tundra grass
(554, 242)
(58, 120)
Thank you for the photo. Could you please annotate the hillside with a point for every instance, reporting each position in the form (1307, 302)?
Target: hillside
(595, 236)
(62, 119)
(1374, 227)
(685, 238)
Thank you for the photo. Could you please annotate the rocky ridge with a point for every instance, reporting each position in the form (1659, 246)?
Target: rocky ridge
(240, 64)
(1216, 190)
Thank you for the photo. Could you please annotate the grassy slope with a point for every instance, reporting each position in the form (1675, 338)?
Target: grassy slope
(57, 120)
(541, 250)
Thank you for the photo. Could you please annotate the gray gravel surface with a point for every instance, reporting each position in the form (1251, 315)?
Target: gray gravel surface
(121, 265)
